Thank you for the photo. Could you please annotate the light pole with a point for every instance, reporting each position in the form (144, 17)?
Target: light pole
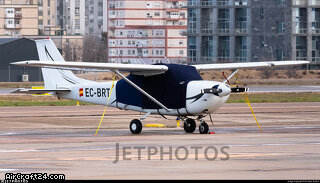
(271, 50)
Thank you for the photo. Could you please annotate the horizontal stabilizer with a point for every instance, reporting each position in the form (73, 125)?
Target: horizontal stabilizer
(39, 91)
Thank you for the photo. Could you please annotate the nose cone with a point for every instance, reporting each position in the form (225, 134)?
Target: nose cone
(225, 90)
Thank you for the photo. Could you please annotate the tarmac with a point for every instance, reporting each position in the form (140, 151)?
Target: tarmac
(253, 89)
(61, 140)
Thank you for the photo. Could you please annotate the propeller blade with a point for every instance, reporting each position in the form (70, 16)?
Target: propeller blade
(239, 89)
(211, 90)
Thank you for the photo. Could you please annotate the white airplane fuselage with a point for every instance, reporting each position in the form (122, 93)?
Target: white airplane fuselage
(197, 103)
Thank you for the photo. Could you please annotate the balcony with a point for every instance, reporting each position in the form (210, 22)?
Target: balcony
(315, 28)
(112, 6)
(207, 60)
(224, 27)
(301, 58)
(192, 3)
(301, 28)
(224, 59)
(300, 2)
(18, 15)
(223, 3)
(241, 27)
(314, 2)
(240, 59)
(315, 59)
(11, 26)
(188, 32)
(207, 28)
(173, 4)
(206, 3)
(192, 59)
(241, 2)
(301, 54)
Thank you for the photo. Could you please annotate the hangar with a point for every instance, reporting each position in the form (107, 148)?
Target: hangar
(18, 49)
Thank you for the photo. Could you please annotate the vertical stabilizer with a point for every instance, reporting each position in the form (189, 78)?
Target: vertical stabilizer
(54, 78)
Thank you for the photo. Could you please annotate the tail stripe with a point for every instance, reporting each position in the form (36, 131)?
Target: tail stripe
(60, 70)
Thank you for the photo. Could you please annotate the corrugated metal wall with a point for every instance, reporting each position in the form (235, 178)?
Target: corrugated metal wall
(18, 50)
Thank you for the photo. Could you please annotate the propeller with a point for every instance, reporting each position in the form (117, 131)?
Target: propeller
(222, 90)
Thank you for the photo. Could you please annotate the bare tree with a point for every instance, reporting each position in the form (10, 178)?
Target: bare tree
(72, 51)
(292, 73)
(267, 73)
(95, 49)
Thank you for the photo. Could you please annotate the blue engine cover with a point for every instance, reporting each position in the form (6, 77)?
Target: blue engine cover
(168, 88)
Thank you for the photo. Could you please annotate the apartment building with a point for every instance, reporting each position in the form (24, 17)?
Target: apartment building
(253, 30)
(47, 17)
(18, 18)
(147, 31)
(96, 17)
(71, 16)
(306, 30)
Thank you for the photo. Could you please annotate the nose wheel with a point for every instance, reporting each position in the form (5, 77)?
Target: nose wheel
(203, 128)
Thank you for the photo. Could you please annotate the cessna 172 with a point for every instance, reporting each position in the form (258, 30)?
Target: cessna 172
(164, 89)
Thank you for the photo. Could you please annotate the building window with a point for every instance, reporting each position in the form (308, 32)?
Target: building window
(241, 49)
(224, 21)
(261, 13)
(281, 27)
(316, 48)
(301, 48)
(262, 41)
(224, 48)
(192, 48)
(280, 55)
(281, 2)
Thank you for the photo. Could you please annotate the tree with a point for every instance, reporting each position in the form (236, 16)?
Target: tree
(95, 49)
(72, 51)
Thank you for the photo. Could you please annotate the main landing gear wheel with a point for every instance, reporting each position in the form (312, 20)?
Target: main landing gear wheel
(203, 128)
(189, 125)
(135, 126)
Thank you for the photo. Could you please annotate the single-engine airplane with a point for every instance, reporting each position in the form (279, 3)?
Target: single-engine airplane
(164, 89)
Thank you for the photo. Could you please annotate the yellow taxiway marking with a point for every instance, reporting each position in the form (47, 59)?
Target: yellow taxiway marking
(155, 125)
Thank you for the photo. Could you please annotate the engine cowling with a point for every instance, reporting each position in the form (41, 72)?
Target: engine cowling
(206, 96)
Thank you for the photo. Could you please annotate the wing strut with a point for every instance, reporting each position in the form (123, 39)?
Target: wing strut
(142, 91)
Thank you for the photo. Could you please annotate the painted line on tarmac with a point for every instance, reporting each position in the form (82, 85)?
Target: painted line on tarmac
(8, 170)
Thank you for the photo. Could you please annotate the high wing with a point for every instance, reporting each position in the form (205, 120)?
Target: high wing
(248, 65)
(138, 69)
(148, 70)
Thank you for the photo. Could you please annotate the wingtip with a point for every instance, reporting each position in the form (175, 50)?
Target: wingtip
(20, 63)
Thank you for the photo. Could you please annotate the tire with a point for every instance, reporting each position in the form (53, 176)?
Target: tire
(189, 125)
(203, 128)
(135, 126)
